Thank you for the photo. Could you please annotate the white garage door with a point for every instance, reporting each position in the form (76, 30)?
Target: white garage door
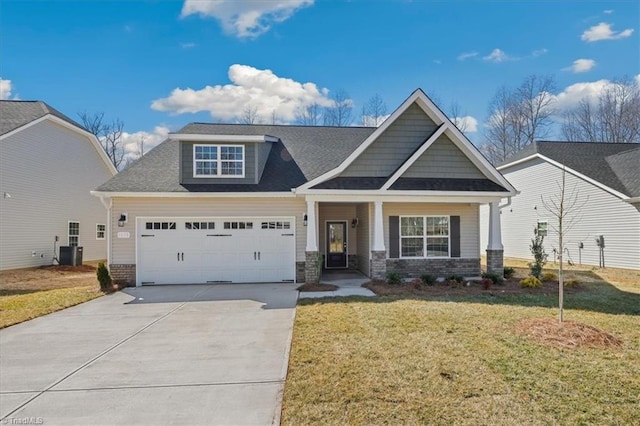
(215, 250)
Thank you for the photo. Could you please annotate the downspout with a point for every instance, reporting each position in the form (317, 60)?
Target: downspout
(107, 202)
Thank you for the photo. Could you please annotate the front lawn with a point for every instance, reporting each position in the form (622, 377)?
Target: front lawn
(462, 359)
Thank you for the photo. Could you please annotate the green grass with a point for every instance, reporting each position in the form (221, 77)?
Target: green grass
(458, 360)
(17, 308)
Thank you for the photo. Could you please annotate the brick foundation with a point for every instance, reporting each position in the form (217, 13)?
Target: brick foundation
(378, 270)
(311, 270)
(410, 268)
(495, 261)
(352, 261)
(300, 272)
(123, 274)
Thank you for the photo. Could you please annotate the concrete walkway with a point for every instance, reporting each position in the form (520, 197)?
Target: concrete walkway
(349, 284)
(199, 355)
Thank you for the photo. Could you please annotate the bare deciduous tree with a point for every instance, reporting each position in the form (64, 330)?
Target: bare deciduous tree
(456, 114)
(109, 135)
(249, 115)
(340, 113)
(517, 117)
(565, 208)
(614, 116)
(374, 112)
(309, 115)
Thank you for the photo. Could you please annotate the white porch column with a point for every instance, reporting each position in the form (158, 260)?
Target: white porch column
(495, 229)
(312, 240)
(378, 228)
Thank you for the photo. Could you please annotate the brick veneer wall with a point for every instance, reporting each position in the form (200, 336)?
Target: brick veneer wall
(123, 274)
(495, 261)
(300, 277)
(378, 270)
(435, 267)
(311, 270)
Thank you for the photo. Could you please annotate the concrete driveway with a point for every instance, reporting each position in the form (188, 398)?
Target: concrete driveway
(190, 354)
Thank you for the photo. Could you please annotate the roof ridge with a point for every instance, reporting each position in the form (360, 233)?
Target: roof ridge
(281, 125)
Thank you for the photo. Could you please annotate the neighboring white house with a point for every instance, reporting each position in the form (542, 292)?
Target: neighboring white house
(605, 177)
(48, 165)
(267, 203)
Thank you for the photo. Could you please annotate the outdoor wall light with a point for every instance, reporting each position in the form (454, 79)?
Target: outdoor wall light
(122, 219)
(304, 220)
(354, 222)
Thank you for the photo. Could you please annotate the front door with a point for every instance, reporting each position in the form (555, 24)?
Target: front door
(336, 256)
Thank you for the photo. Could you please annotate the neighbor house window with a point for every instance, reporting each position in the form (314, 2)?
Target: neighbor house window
(218, 160)
(74, 233)
(542, 228)
(101, 230)
(424, 236)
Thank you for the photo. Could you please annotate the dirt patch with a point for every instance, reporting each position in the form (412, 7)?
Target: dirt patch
(317, 287)
(467, 288)
(21, 281)
(566, 335)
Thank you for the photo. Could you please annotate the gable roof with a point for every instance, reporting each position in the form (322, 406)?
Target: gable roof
(613, 165)
(16, 114)
(301, 153)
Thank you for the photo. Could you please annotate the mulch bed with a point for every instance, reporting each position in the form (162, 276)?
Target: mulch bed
(317, 287)
(69, 268)
(510, 286)
(566, 335)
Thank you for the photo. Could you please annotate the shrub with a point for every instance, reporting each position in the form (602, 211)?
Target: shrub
(549, 276)
(530, 282)
(394, 278)
(539, 256)
(457, 278)
(571, 283)
(427, 279)
(508, 272)
(495, 278)
(416, 283)
(106, 283)
(486, 283)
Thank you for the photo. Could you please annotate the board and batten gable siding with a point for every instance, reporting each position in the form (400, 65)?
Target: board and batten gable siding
(393, 146)
(443, 160)
(603, 214)
(186, 165)
(363, 237)
(469, 217)
(49, 170)
(123, 250)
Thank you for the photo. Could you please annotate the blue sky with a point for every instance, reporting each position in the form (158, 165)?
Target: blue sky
(158, 65)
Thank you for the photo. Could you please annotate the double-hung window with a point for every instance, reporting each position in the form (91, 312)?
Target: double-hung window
(543, 228)
(218, 161)
(74, 233)
(424, 236)
(101, 230)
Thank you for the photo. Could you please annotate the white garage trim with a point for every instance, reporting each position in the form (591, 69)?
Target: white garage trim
(182, 239)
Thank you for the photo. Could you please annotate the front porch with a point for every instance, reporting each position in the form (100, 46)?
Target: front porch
(373, 238)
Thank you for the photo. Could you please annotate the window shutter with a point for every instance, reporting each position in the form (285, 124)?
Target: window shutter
(394, 237)
(455, 236)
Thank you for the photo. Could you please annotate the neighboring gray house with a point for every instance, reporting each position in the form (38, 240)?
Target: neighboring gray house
(605, 178)
(48, 165)
(269, 203)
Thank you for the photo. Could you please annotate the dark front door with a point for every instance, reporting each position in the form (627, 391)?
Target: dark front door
(336, 245)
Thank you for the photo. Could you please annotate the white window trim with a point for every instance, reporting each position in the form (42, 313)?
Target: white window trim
(546, 222)
(424, 237)
(104, 232)
(219, 162)
(69, 222)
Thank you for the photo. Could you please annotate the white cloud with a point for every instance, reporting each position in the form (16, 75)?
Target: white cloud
(257, 89)
(575, 93)
(5, 89)
(188, 45)
(437, 61)
(245, 18)
(603, 31)
(497, 55)
(539, 52)
(467, 55)
(581, 65)
(371, 121)
(467, 123)
(608, 11)
(133, 142)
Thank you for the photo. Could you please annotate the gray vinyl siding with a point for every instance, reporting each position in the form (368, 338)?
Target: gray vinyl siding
(603, 214)
(337, 212)
(394, 145)
(363, 237)
(186, 165)
(123, 250)
(469, 217)
(48, 171)
(263, 151)
(443, 160)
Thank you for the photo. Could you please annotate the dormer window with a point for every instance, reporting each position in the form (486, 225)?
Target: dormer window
(218, 161)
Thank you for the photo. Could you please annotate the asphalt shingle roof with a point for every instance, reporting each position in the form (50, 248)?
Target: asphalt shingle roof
(15, 114)
(614, 165)
(412, 184)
